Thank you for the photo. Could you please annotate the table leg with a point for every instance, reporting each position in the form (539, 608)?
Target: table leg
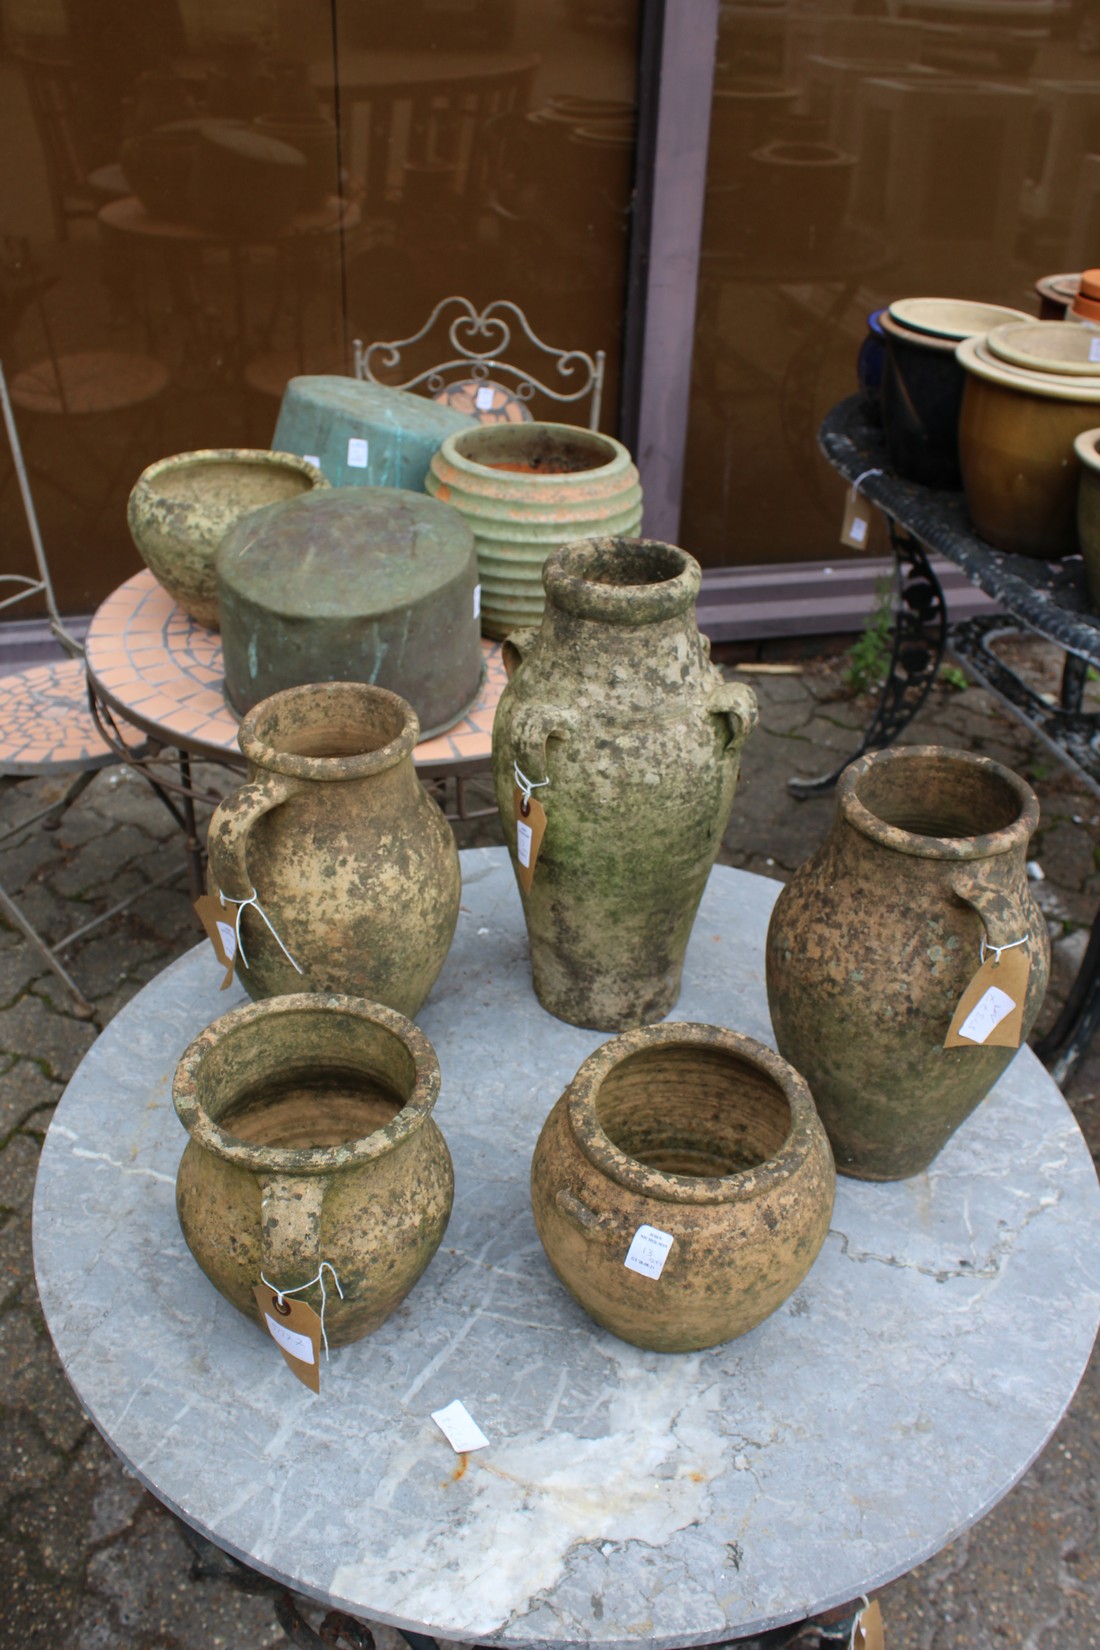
(1075, 1027)
(920, 634)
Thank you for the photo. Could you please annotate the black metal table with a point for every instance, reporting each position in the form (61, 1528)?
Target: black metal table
(1047, 599)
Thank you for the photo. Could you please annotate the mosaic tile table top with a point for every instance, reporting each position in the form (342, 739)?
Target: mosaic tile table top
(45, 723)
(163, 672)
(626, 1499)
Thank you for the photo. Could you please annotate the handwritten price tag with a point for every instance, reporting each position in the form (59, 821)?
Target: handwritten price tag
(648, 1251)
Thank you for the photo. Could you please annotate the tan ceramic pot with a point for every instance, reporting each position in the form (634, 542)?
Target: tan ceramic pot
(615, 702)
(874, 940)
(1087, 448)
(181, 508)
(312, 1140)
(353, 864)
(526, 489)
(710, 1139)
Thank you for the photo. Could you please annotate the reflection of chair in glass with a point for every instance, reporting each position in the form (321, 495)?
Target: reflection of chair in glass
(475, 378)
(51, 92)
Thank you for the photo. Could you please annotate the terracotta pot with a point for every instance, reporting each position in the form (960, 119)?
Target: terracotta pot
(1016, 435)
(874, 939)
(710, 1139)
(525, 489)
(1087, 448)
(181, 508)
(615, 702)
(312, 1140)
(354, 865)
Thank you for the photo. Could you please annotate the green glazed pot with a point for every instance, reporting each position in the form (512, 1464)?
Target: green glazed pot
(615, 702)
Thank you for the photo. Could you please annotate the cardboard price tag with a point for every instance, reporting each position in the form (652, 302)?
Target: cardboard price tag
(530, 830)
(868, 1633)
(855, 529)
(217, 920)
(296, 1330)
(991, 1009)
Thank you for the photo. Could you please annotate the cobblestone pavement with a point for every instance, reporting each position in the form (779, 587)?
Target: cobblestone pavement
(91, 1562)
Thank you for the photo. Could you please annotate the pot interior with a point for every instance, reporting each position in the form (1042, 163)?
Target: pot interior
(237, 484)
(936, 796)
(332, 719)
(535, 449)
(622, 561)
(690, 1110)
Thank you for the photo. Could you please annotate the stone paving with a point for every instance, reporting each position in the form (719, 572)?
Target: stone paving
(92, 1562)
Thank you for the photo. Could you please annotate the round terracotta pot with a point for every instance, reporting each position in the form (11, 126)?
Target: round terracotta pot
(712, 1141)
(312, 1140)
(525, 489)
(874, 940)
(1087, 448)
(615, 702)
(181, 508)
(1016, 435)
(353, 864)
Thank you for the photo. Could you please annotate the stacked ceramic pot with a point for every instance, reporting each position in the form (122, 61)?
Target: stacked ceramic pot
(1031, 389)
(922, 382)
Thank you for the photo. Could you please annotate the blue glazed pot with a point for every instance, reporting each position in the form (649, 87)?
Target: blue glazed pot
(869, 365)
(921, 398)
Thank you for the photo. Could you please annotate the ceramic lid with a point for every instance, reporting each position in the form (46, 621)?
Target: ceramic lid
(1047, 346)
(977, 359)
(952, 317)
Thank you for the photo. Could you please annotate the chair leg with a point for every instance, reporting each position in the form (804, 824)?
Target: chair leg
(83, 1007)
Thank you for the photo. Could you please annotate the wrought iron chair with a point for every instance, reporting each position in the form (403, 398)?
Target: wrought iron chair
(476, 378)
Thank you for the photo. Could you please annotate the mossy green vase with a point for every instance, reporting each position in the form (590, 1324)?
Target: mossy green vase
(615, 711)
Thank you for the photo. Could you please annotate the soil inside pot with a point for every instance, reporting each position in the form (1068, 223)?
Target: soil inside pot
(549, 466)
(332, 1110)
(246, 485)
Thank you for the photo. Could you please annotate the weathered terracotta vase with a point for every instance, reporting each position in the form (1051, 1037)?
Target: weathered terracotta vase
(615, 703)
(312, 1140)
(874, 940)
(710, 1139)
(353, 864)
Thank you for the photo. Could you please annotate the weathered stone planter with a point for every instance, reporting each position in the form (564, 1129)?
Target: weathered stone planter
(711, 1140)
(526, 489)
(874, 940)
(352, 862)
(312, 1140)
(615, 702)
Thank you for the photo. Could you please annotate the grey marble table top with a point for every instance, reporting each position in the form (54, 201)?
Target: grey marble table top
(626, 1498)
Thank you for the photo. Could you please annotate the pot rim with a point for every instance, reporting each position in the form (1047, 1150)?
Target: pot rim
(656, 1184)
(930, 343)
(1087, 448)
(305, 1159)
(361, 766)
(618, 459)
(1005, 344)
(951, 849)
(906, 312)
(1049, 386)
(612, 603)
(201, 457)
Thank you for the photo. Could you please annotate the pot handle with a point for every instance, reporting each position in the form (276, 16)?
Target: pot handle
(233, 818)
(532, 726)
(579, 1213)
(290, 1229)
(1002, 910)
(737, 703)
(515, 647)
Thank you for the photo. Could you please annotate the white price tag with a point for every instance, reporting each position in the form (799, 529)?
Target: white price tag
(311, 458)
(1094, 349)
(459, 1428)
(477, 601)
(298, 1346)
(357, 453)
(986, 1014)
(858, 530)
(523, 843)
(648, 1251)
(483, 400)
(229, 938)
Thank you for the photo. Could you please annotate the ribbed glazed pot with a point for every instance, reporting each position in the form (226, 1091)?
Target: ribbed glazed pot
(874, 940)
(312, 1141)
(182, 507)
(615, 702)
(353, 864)
(710, 1139)
(526, 489)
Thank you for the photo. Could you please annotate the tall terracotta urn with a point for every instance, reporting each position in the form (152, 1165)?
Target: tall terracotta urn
(526, 489)
(353, 867)
(312, 1142)
(875, 939)
(631, 741)
(682, 1186)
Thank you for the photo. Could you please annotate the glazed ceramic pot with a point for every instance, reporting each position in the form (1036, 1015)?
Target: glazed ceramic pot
(955, 318)
(1087, 448)
(353, 864)
(869, 365)
(921, 396)
(1084, 307)
(1047, 346)
(1056, 293)
(710, 1141)
(1016, 435)
(525, 489)
(312, 1141)
(181, 508)
(874, 940)
(615, 704)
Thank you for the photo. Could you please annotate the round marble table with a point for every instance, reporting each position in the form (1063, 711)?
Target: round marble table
(626, 1498)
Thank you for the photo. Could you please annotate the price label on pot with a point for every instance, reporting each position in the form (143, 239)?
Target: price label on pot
(856, 526)
(477, 601)
(357, 453)
(219, 931)
(311, 458)
(991, 1009)
(1094, 349)
(530, 830)
(648, 1251)
(483, 400)
(296, 1330)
